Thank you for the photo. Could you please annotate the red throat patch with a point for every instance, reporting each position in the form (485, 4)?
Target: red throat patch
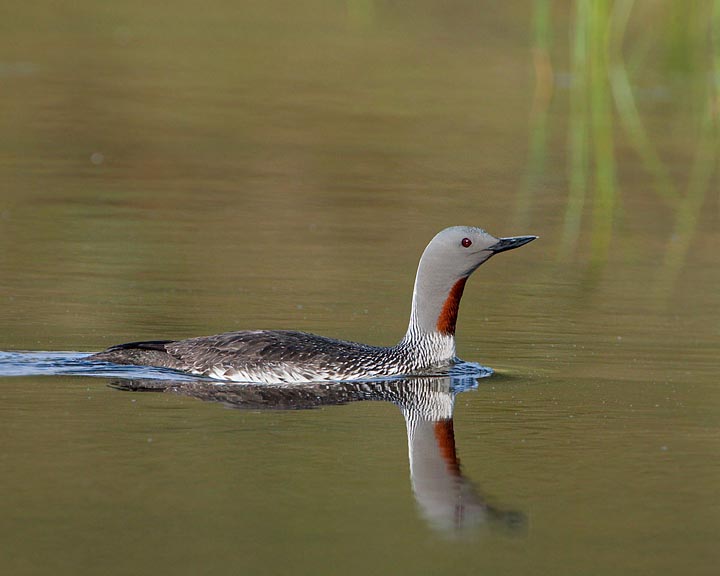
(445, 436)
(448, 315)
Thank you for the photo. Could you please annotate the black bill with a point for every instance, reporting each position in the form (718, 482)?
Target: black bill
(510, 243)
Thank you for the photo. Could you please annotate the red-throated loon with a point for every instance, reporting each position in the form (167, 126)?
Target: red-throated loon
(274, 356)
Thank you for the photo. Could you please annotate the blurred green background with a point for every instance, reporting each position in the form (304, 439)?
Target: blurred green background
(171, 170)
(150, 148)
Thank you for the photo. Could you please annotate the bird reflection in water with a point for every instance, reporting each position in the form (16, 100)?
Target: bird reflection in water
(449, 501)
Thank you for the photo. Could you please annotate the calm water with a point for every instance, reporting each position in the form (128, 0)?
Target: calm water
(166, 174)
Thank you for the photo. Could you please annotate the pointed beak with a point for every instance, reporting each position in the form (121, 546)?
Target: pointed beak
(510, 243)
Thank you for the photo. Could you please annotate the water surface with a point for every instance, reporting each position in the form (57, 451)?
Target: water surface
(168, 174)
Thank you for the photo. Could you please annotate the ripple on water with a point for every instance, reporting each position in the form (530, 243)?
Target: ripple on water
(74, 364)
(464, 375)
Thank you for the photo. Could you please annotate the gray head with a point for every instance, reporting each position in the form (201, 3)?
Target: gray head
(447, 262)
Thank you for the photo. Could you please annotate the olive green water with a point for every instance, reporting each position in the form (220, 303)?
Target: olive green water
(171, 171)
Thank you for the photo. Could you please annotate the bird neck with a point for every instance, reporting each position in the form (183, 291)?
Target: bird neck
(435, 307)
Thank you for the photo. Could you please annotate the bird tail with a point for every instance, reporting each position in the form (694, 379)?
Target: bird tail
(148, 353)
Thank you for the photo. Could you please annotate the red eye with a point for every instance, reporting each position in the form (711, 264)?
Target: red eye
(466, 242)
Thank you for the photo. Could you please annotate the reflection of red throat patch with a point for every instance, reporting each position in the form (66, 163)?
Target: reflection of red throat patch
(445, 437)
(448, 315)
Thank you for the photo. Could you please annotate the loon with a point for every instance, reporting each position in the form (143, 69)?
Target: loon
(286, 356)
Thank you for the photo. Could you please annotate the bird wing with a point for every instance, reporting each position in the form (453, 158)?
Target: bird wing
(250, 350)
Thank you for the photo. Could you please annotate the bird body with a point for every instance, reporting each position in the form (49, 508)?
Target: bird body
(272, 356)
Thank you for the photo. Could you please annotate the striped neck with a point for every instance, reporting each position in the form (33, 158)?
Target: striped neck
(435, 309)
(431, 331)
